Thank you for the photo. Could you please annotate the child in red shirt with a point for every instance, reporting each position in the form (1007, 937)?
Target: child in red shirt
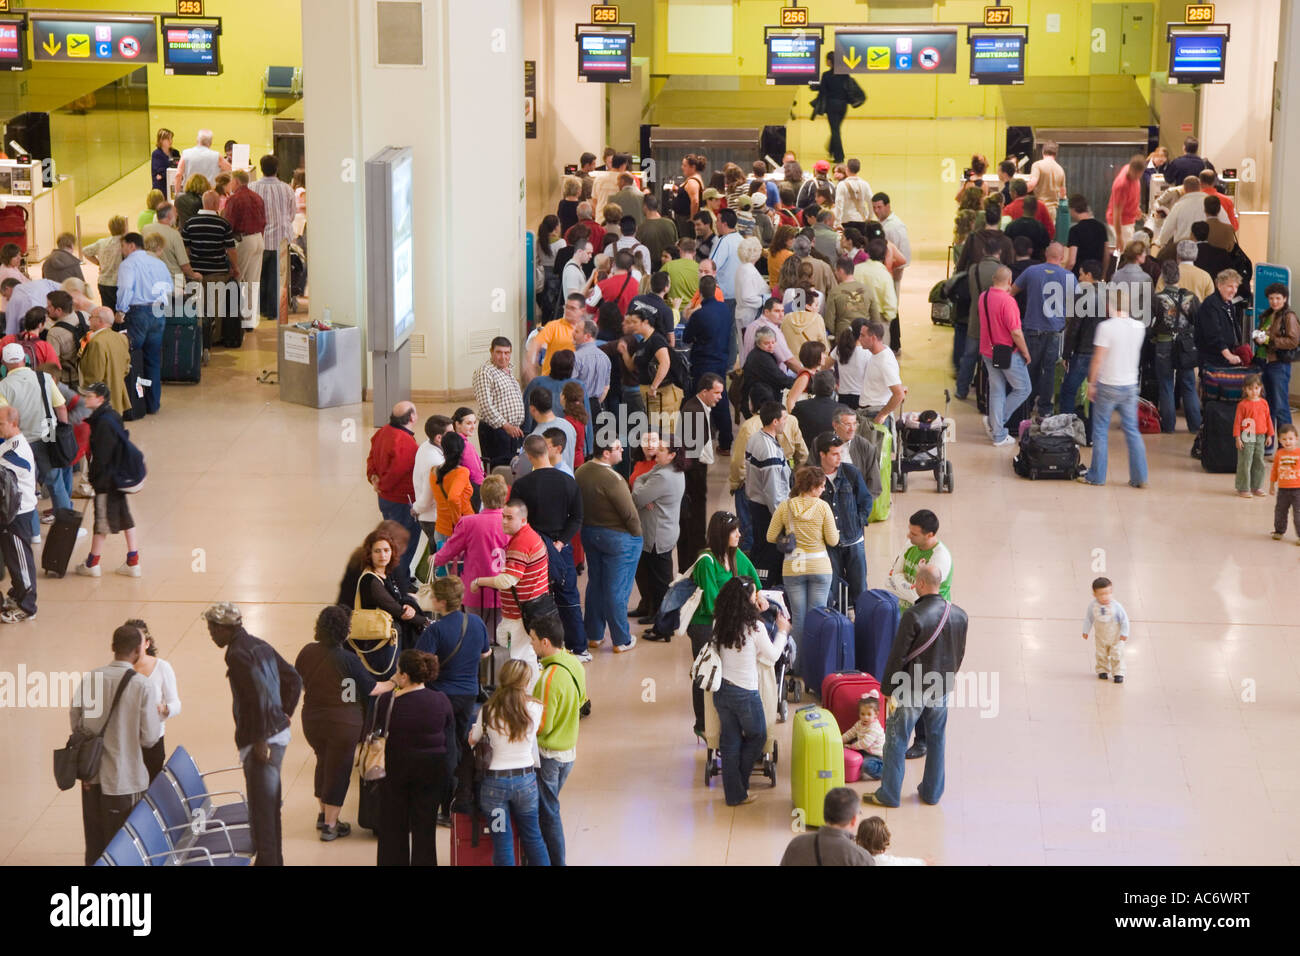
(1285, 481)
(1252, 427)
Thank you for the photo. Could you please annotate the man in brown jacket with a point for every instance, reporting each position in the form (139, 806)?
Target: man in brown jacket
(106, 357)
(611, 537)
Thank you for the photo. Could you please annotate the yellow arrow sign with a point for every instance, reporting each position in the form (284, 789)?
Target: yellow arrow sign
(52, 46)
(852, 60)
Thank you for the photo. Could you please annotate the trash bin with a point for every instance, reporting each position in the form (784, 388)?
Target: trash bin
(320, 368)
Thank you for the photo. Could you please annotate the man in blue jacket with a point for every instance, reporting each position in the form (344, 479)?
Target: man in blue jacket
(846, 492)
(265, 691)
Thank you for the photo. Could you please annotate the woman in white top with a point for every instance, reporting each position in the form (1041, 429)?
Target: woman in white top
(159, 673)
(508, 795)
(752, 290)
(742, 641)
(11, 263)
(851, 361)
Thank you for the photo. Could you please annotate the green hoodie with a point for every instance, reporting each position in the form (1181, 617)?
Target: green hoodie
(710, 575)
(562, 695)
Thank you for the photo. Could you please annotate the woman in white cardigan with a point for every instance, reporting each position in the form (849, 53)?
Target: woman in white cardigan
(160, 673)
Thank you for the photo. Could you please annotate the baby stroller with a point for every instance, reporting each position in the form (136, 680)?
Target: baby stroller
(297, 276)
(922, 446)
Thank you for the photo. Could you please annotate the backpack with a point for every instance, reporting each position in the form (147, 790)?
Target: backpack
(9, 496)
(29, 352)
(80, 329)
(130, 472)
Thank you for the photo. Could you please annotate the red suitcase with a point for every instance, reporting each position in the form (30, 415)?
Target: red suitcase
(471, 840)
(841, 693)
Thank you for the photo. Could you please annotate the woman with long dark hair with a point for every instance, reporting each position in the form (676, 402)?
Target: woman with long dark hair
(742, 641)
(420, 728)
(333, 713)
(161, 675)
(1281, 339)
(721, 561)
(851, 363)
(453, 491)
(549, 241)
(510, 719)
(465, 424)
(378, 587)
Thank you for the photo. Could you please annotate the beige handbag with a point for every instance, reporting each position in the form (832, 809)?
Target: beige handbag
(374, 748)
(372, 627)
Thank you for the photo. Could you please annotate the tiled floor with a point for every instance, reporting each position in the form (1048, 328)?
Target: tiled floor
(1191, 761)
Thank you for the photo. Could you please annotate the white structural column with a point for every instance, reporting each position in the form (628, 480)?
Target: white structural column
(1284, 199)
(461, 111)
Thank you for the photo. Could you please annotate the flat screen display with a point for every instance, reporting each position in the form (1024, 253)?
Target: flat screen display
(191, 50)
(997, 57)
(794, 58)
(403, 251)
(11, 45)
(1197, 58)
(604, 57)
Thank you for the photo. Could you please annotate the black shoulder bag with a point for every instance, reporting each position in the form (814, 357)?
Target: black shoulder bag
(80, 759)
(1001, 353)
(63, 442)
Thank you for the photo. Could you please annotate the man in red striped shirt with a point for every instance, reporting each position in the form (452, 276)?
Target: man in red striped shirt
(525, 574)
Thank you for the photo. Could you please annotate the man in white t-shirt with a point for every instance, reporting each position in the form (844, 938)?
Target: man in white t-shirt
(853, 196)
(428, 458)
(882, 385)
(199, 160)
(1113, 384)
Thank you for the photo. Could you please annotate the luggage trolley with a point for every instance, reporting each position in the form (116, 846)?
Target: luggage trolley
(922, 446)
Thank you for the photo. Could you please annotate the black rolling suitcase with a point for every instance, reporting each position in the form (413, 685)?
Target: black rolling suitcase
(135, 412)
(1217, 445)
(182, 350)
(1047, 456)
(60, 539)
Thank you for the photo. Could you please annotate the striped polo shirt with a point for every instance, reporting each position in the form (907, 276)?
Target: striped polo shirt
(525, 559)
(208, 236)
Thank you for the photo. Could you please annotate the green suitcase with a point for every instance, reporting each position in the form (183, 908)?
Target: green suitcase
(880, 507)
(817, 764)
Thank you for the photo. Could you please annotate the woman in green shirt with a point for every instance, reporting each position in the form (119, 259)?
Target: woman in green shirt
(717, 564)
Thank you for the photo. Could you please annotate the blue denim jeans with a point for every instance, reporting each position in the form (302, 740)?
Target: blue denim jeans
(550, 780)
(743, 732)
(1044, 353)
(898, 730)
(508, 802)
(58, 480)
(1277, 388)
(1075, 375)
(966, 364)
(742, 515)
(262, 781)
(1124, 398)
(564, 578)
(612, 558)
(1017, 376)
(871, 765)
(400, 511)
(144, 331)
(803, 592)
(1176, 380)
(849, 564)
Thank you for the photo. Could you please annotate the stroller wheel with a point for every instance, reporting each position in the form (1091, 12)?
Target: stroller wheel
(947, 476)
(708, 766)
(782, 710)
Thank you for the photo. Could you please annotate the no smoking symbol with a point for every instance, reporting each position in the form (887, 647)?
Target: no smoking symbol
(929, 58)
(129, 47)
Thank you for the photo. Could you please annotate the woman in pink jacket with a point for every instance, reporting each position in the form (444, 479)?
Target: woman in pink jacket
(477, 548)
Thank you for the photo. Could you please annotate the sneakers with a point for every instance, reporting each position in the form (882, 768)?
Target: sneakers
(585, 657)
(16, 616)
(1119, 678)
(83, 490)
(1008, 440)
(340, 829)
(988, 427)
(10, 604)
(129, 570)
(1083, 480)
(1245, 494)
(1276, 536)
(36, 538)
(592, 645)
(89, 572)
(81, 533)
(624, 648)
(1261, 493)
(1103, 676)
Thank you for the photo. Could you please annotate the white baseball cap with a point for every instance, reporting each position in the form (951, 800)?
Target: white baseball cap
(13, 354)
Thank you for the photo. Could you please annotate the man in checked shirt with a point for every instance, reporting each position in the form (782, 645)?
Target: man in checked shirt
(500, 406)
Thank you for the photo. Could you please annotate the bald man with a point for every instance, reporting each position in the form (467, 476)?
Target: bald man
(210, 241)
(1047, 288)
(106, 357)
(389, 469)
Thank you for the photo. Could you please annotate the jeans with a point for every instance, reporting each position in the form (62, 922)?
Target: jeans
(564, 578)
(508, 802)
(898, 728)
(1250, 464)
(966, 364)
(743, 734)
(1044, 352)
(400, 511)
(1172, 380)
(742, 515)
(612, 558)
(803, 592)
(1110, 398)
(1277, 389)
(262, 781)
(1075, 374)
(144, 331)
(849, 565)
(550, 780)
(958, 347)
(58, 480)
(1017, 376)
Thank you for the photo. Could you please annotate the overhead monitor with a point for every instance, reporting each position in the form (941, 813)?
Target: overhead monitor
(793, 58)
(13, 43)
(997, 57)
(1197, 57)
(191, 48)
(605, 54)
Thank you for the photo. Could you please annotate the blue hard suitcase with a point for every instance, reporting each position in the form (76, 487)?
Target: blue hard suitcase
(875, 623)
(825, 647)
(182, 350)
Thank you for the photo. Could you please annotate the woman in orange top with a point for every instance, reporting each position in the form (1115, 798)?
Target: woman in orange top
(452, 490)
(779, 251)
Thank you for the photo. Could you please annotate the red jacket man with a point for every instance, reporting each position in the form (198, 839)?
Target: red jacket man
(392, 458)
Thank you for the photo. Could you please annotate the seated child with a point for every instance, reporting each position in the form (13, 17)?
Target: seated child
(867, 736)
(873, 836)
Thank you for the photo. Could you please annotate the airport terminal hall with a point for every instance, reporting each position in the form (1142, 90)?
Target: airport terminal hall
(658, 433)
